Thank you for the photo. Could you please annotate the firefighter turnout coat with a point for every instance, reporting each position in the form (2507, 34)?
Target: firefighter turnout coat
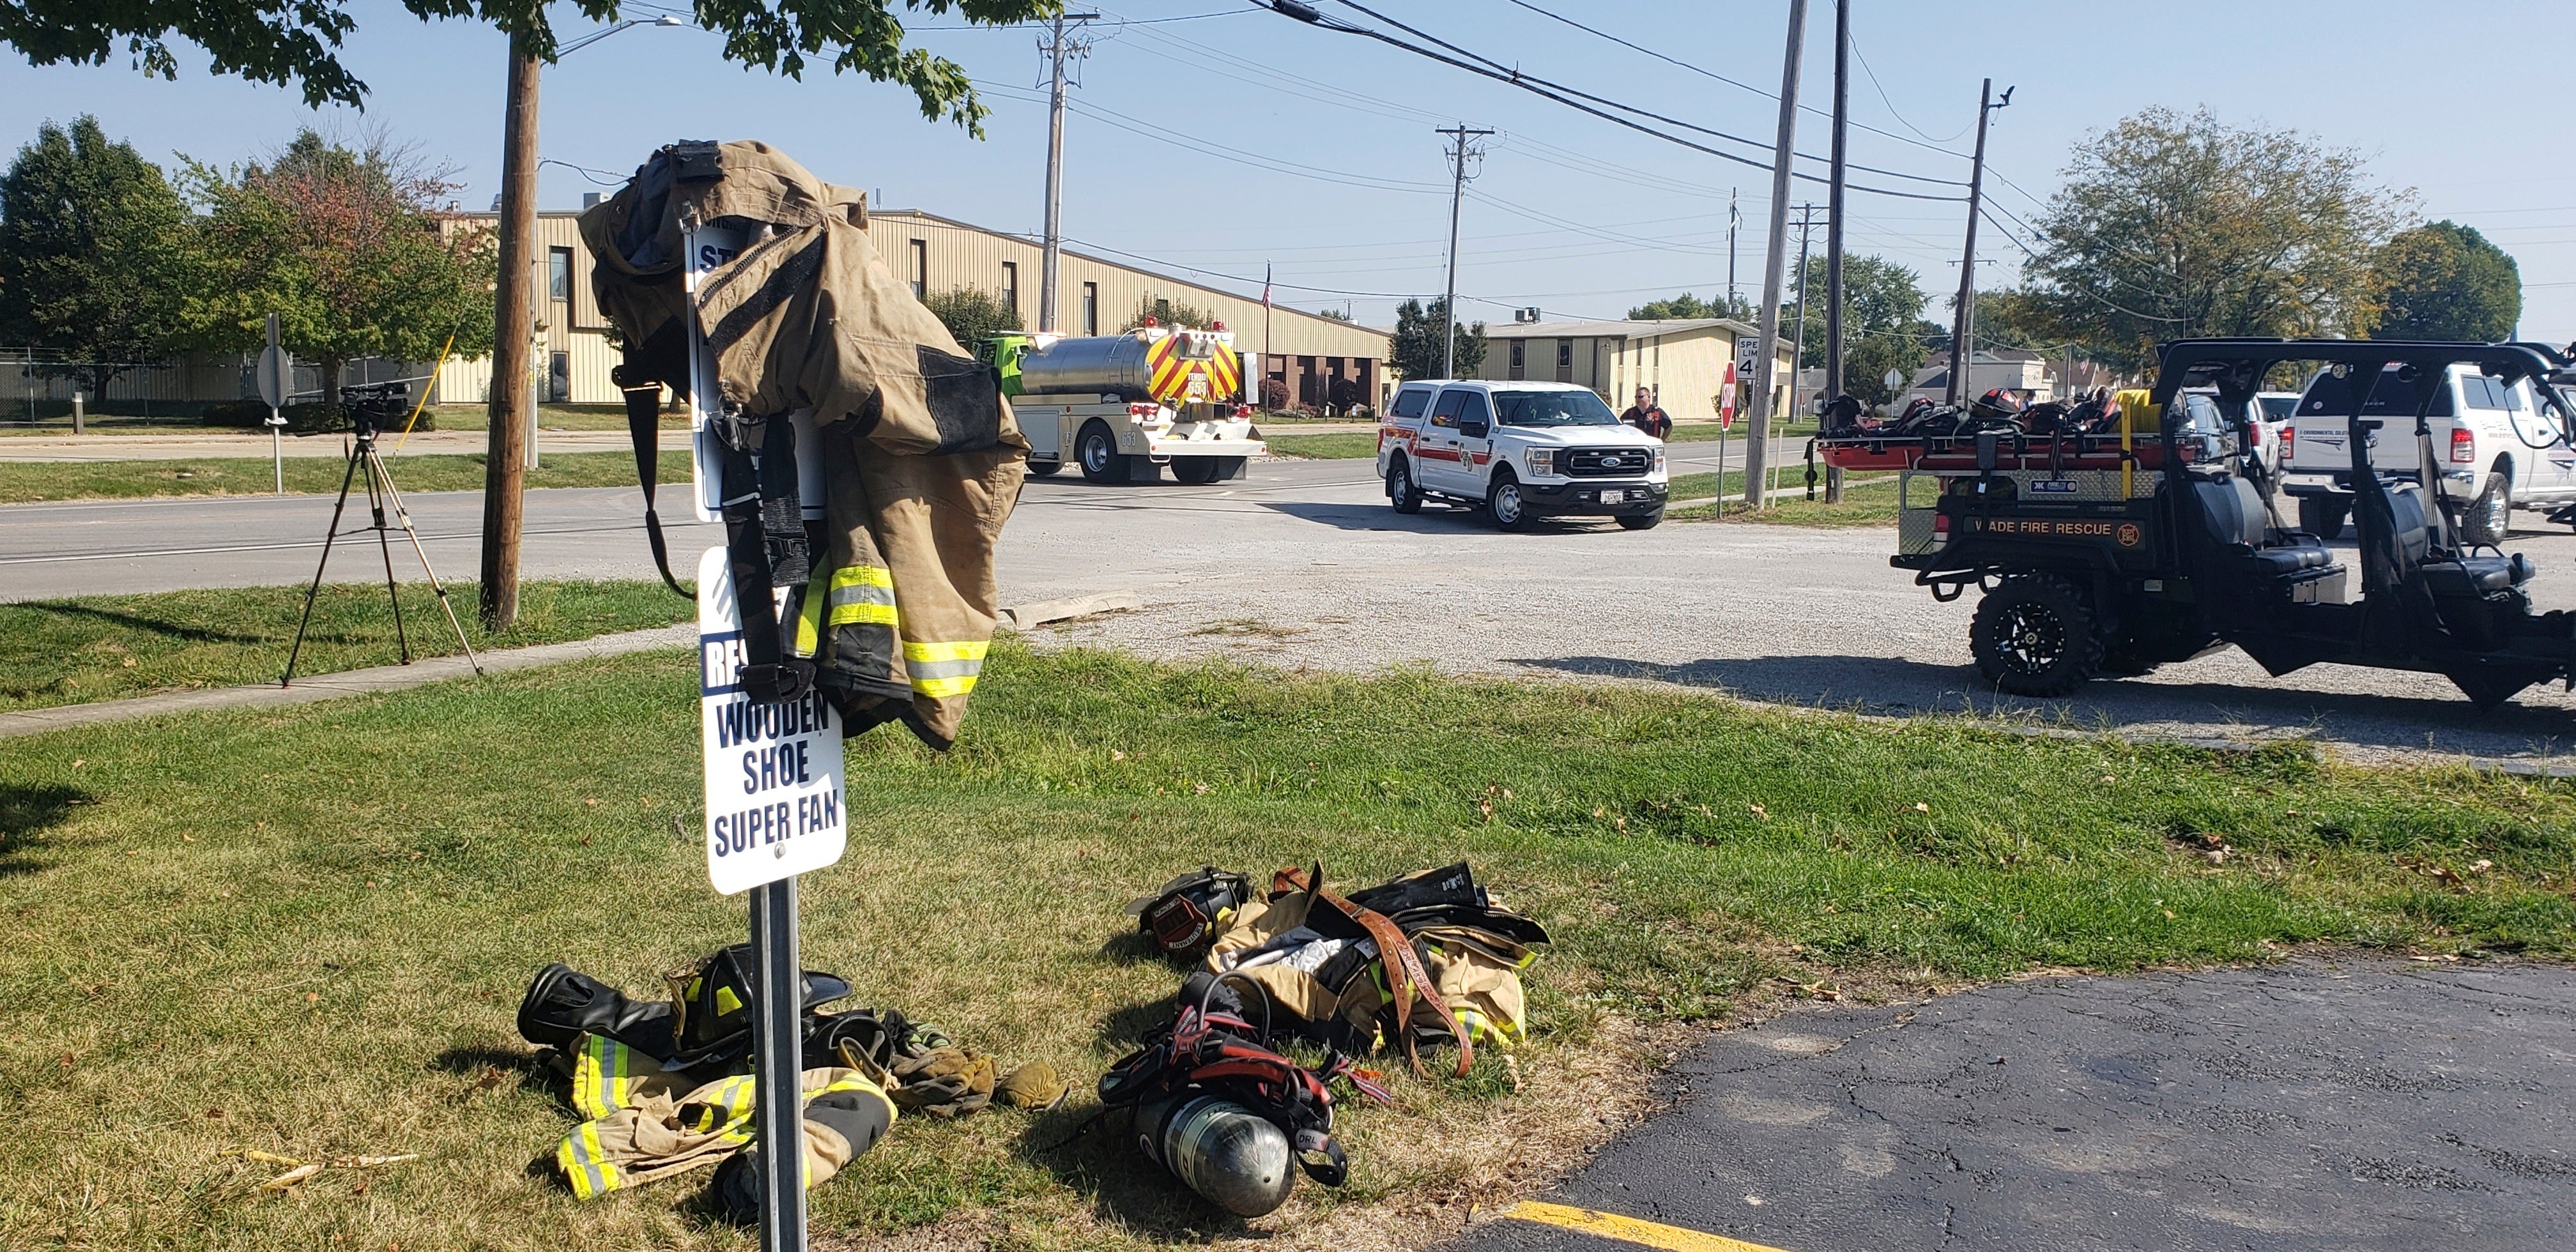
(921, 456)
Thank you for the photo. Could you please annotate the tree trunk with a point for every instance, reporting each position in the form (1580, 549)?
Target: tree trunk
(329, 368)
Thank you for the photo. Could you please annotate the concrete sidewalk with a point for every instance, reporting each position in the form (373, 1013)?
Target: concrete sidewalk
(346, 683)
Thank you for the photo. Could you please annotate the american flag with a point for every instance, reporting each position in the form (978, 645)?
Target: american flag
(1265, 286)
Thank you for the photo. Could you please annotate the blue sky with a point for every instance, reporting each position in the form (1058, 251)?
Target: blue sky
(1335, 177)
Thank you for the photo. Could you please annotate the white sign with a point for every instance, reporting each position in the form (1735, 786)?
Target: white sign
(775, 805)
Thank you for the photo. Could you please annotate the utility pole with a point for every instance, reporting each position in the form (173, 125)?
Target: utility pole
(1834, 229)
(1734, 218)
(1757, 432)
(1964, 318)
(1459, 152)
(1056, 47)
(510, 413)
(1798, 346)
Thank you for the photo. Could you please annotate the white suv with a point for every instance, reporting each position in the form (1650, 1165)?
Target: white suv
(1519, 451)
(2494, 447)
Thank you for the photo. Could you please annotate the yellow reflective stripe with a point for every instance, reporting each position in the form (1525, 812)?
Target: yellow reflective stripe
(862, 576)
(727, 1001)
(809, 623)
(940, 670)
(864, 615)
(858, 1082)
(585, 1164)
(598, 1076)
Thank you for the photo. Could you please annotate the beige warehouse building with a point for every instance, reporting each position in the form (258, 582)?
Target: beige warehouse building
(1684, 360)
(1306, 353)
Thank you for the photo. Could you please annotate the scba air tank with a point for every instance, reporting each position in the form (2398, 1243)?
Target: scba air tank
(1239, 1161)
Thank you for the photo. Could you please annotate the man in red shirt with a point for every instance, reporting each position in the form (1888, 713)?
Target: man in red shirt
(1647, 416)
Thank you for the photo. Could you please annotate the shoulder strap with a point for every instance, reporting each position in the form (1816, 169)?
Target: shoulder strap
(1406, 979)
(644, 427)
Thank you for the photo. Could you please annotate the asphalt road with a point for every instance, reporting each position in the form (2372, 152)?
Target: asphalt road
(1304, 564)
(2312, 1105)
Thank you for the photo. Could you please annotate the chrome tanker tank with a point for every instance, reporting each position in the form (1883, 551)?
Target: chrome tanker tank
(1109, 365)
(1125, 366)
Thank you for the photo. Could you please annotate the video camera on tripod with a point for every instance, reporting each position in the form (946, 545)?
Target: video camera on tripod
(373, 406)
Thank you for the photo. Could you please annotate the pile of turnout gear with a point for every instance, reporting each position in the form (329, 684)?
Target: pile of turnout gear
(1426, 959)
(921, 462)
(665, 1086)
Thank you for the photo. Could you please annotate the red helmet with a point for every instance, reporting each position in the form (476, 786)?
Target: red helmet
(2000, 400)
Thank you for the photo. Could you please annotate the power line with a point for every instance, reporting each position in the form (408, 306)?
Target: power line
(1767, 95)
(1550, 91)
(1891, 105)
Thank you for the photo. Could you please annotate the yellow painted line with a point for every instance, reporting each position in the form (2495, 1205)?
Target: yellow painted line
(1629, 1229)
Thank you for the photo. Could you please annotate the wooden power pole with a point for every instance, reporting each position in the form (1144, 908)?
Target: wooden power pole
(1757, 432)
(1834, 230)
(505, 473)
(1964, 317)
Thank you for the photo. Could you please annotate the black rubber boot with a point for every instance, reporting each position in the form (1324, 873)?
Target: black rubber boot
(563, 1004)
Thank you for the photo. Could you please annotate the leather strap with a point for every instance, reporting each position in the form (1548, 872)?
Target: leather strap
(1406, 979)
(644, 427)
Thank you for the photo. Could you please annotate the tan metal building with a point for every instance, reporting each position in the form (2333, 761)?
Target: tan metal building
(1684, 360)
(1095, 296)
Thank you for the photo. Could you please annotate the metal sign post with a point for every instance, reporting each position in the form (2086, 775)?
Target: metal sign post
(275, 377)
(774, 789)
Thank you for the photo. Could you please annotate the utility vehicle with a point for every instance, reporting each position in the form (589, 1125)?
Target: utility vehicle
(2104, 552)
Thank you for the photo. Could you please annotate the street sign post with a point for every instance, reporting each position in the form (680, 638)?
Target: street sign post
(775, 809)
(276, 380)
(1895, 380)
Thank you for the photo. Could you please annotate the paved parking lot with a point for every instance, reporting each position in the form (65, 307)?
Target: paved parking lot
(1304, 564)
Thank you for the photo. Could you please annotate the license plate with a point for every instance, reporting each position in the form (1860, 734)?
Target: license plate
(1613, 497)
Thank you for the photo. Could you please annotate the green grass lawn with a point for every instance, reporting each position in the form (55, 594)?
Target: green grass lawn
(106, 647)
(550, 417)
(1346, 445)
(304, 931)
(1868, 500)
(26, 481)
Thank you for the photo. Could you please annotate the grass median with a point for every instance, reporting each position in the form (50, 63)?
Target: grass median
(55, 652)
(23, 482)
(304, 931)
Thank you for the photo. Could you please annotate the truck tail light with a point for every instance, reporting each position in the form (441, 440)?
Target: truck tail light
(2289, 441)
(1940, 523)
(2464, 446)
(1143, 410)
(1243, 410)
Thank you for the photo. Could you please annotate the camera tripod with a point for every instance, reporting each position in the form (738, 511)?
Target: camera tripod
(380, 494)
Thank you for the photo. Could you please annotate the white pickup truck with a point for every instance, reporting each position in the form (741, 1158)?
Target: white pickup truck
(1519, 451)
(2495, 448)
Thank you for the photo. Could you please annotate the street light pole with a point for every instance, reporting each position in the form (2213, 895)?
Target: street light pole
(1054, 254)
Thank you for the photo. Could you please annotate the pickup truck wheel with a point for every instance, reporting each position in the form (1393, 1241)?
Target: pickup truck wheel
(2489, 517)
(1196, 471)
(1400, 490)
(2322, 516)
(1045, 469)
(1097, 450)
(2034, 636)
(1640, 521)
(1505, 504)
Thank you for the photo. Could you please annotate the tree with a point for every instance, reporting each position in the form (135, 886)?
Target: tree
(348, 248)
(1167, 312)
(1415, 349)
(2445, 281)
(91, 237)
(1882, 303)
(297, 42)
(971, 314)
(2167, 227)
(1688, 306)
(1333, 315)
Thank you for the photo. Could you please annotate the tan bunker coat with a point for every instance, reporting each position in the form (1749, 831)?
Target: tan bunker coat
(921, 458)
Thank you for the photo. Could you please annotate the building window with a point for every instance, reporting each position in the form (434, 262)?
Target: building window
(559, 378)
(1565, 360)
(1520, 358)
(1091, 308)
(1011, 287)
(920, 268)
(559, 273)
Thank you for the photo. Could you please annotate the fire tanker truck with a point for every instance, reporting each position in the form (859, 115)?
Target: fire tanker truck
(1122, 406)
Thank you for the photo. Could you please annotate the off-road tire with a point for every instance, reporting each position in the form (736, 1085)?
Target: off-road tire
(2035, 636)
(1640, 521)
(1045, 469)
(1401, 491)
(1195, 471)
(2489, 518)
(1505, 506)
(1097, 450)
(2323, 517)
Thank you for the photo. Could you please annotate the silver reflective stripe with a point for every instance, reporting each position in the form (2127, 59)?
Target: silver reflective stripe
(943, 669)
(862, 593)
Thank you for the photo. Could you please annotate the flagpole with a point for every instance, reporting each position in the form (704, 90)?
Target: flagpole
(1265, 332)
